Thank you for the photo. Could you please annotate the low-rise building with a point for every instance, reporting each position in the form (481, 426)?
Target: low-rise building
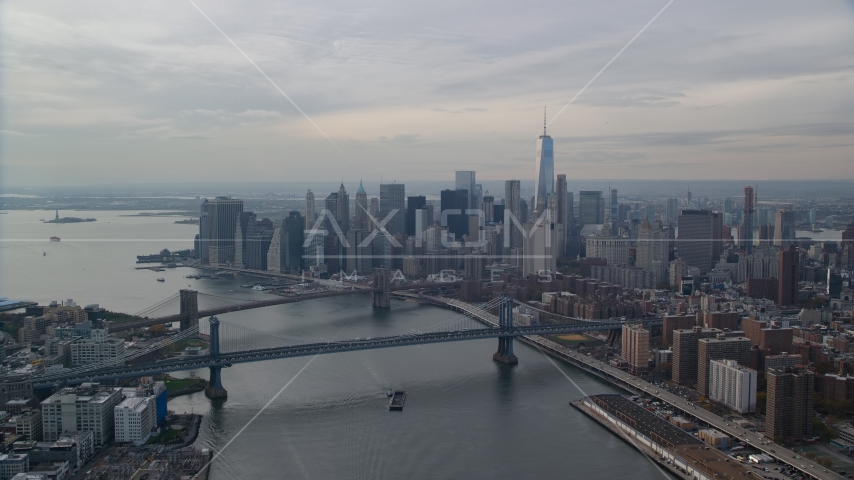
(28, 424)
(13, 464)
(89, 351)
(714, 438)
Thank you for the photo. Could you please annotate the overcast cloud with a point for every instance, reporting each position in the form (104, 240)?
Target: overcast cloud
(104, 91)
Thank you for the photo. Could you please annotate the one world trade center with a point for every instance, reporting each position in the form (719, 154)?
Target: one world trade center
(544, 185)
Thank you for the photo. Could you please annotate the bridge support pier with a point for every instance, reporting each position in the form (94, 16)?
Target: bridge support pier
(505, 344)
(382, 299)
(214, 388)
(189, 309)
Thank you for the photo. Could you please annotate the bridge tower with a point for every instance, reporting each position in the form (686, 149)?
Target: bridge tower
(214, 387)
(189, 308)
(382, 298)
(505, 344)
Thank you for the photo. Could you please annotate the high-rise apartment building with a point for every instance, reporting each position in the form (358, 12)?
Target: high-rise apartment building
(310, 215)
(745, 232)
(694, 243)
(789, 403)
(733, 385)
(223, 215)
(719, 348)
(465, 180)
(591, 208)
(789, 275)
(636, 348)
(393, 200)
(544, 184)
(686, 352)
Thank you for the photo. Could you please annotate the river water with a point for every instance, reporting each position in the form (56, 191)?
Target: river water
(465, 415)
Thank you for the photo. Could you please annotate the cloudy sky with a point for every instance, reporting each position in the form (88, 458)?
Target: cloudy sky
(97, 92)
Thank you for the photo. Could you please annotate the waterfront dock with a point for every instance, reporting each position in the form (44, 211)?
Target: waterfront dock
(678, 451)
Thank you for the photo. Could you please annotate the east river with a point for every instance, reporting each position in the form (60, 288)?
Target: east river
(465, 416)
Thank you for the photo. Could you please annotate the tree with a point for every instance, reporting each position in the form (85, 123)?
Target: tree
(157, 330)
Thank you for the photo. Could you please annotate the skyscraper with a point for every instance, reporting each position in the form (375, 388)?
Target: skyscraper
(393, 199)
(694, 244)
(412, 205)
(512, 207)
(465, 181)
(488, 208)
(360, 216)
(223, 214)
(562, 212)
(591, 208)
(672, 210)
(204, 233)
(330, 206)
(745, 233)
(309, 209)
(615, 219)
(453, 204)
(653, 250)
(292, 241)
(544, 185)
(342, 209)
(789, 272)
(784, 228)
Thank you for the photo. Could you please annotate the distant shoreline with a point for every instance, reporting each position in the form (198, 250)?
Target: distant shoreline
(71, 220)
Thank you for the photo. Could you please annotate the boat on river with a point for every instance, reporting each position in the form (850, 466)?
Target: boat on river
(161, 279)
(397, 400)
(390, 392)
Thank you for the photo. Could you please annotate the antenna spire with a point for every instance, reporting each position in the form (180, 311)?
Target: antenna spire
(544, 120)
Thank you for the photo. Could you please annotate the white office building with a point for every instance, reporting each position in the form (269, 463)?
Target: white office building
(135, 419)
(88, 351)
(732, 385)
(87, 408)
